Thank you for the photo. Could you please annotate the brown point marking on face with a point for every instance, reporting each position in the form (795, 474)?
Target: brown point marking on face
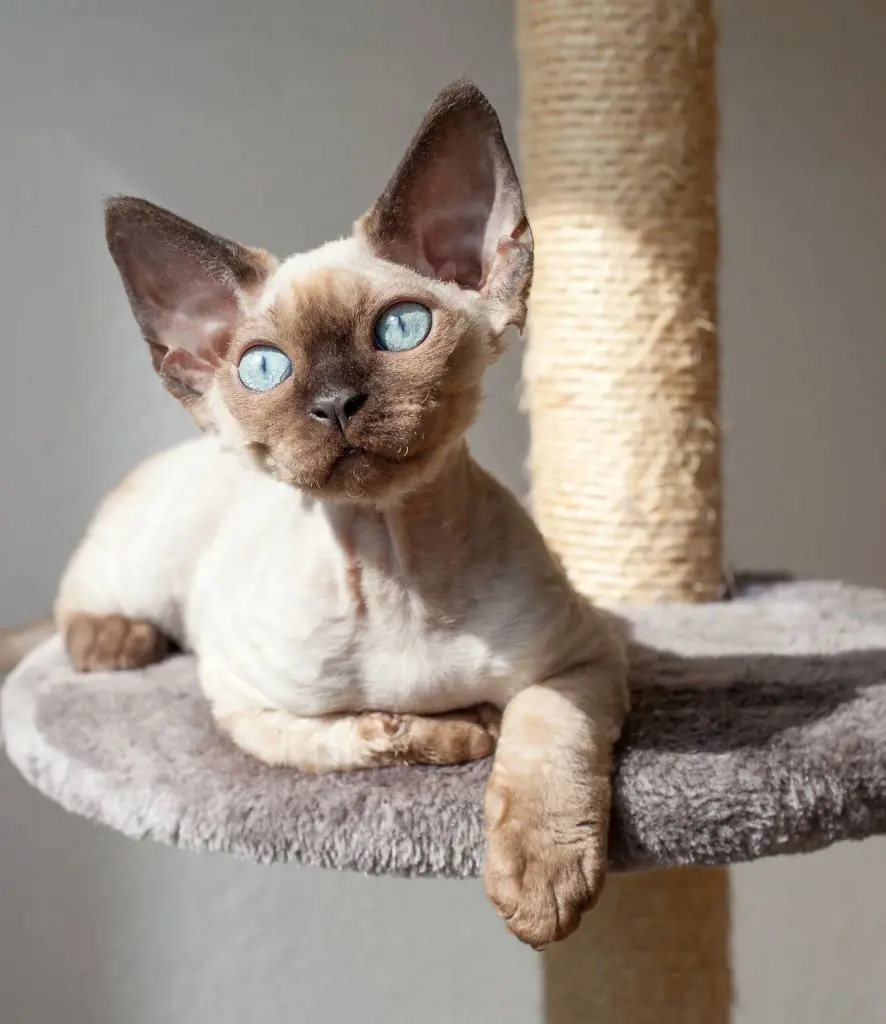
(449, 230)
(418, 403)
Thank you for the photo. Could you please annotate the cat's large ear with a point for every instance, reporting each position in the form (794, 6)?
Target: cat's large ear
(188, 289)
(454, 208)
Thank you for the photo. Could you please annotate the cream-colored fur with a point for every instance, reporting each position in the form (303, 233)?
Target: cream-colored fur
(459, 603)
(359, 592)
(456, 608)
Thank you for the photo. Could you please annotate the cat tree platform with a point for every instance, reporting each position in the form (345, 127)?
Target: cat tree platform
(758, 727)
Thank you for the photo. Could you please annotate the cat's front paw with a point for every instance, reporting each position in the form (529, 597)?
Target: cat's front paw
(108, 643)
(546, 858)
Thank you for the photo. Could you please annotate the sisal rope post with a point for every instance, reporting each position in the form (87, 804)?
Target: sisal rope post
(619, 138)
(619, 164)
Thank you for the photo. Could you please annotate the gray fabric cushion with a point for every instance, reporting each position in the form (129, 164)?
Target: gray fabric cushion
(758, 727)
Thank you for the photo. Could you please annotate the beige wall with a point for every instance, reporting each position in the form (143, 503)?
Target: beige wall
(276, 121)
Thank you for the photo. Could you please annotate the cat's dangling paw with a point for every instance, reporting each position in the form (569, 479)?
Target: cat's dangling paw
(108, 643)
(544, 867)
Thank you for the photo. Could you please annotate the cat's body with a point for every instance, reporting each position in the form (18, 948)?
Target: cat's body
(448, 600)
(358, 592)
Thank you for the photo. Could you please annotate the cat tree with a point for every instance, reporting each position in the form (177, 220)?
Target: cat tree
(619, 142)
(758, 722)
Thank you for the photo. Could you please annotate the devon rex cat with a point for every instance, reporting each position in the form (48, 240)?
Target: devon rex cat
(346, 574)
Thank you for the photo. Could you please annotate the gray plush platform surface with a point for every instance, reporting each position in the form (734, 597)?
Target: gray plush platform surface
(759, 727)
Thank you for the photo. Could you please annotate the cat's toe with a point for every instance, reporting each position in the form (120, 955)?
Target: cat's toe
(449, 739)
(543, 870)
(107, 643)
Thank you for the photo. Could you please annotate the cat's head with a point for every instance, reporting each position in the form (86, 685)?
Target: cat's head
(350, 371)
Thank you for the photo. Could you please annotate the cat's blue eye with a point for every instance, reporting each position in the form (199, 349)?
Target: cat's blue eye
(263, 367)
(402, 327)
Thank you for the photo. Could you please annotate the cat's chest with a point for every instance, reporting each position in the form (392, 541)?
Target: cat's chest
(316, 625)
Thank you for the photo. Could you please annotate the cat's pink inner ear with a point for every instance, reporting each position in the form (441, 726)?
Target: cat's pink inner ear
(198, 317)
(195, 328)
(452, 206)
(189, 289)
(454, 197)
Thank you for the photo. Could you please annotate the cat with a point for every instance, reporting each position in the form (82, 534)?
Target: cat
(357, 590)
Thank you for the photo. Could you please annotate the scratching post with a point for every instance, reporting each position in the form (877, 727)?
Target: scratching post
(619, 147)
(619, 141)
(654, 951)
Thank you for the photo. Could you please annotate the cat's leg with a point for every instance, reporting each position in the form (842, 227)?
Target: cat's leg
(103, 643)
(347, 742)
(121, 597)
(548, 800)
(111, 601)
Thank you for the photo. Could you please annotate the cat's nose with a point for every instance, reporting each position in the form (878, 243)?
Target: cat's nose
(337, 408)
